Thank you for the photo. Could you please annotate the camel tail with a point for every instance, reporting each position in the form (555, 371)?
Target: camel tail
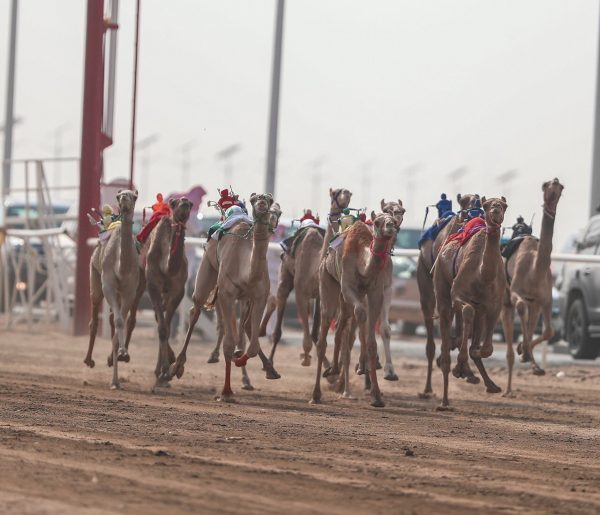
(316, 321)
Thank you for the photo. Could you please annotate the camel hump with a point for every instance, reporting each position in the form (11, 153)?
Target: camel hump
(358, 236)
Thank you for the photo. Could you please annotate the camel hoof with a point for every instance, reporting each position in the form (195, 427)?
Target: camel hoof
(305, 360)
(509, 394)
(520, 349)
(378, 364)
(271, 373)
(537, 371)
(526, 358)
(176, 369)
(391, 376)
(240, 361)
(426, 395)
(115, 386)
(315, 400)
(359, 370)
(229, 398)
(109, 360)
(438, 361)
(238, 352)
(330, 371)
(248, 387)
(441, 407)
(493, 388)
(89, 362)
(214, 357)
(377, 402)
(346, 395)
(473, 379)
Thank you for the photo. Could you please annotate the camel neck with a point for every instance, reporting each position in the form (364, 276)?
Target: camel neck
(128, 253)
(176, 247)
(260, 244)
(491, 254)
(379, 254)
(543, 260)
(332, 227)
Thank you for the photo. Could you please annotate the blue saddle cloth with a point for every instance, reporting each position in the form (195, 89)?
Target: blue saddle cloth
(434, 230)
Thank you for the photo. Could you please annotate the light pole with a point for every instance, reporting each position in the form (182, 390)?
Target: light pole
(274, 113)
(9, 119)
(317, 176)
(456, 178)
(186, 163)
(226, 155)
(143, 147)
(505, 180)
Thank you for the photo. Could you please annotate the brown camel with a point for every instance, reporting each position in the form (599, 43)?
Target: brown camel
(354, 277)
(428, 254)
(301, 273)
(115, 274)
(166, 272)
(469, 283)
(530, 286)
(240, 258)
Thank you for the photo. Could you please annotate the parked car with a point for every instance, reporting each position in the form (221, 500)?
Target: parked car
(579, 286)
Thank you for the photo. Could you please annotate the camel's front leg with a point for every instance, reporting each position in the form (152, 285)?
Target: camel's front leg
(462, 369)
(345, 313)
(386, 335)
(486, 351)
(216, 352)
(227, 308)
(286, 285)
(346, 354)
(171, 308)
(131, 319)
(162, 363)
(96, 298)
(375, 302)
(446, 333)
(303, 304)
(533, 322)
(427, 297)
(508, 327)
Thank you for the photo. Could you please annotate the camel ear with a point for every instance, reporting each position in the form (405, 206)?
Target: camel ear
(545, 185)
(120, 191)
(331, 192)
(270, 196)
(172, 203)
(252, 198)
(458, 197)
(400, 202)
(135, 192)
(503, 199)
(483, 199)
(373, 215)
(382, 204)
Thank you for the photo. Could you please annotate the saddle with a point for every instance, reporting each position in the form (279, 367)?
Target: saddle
(300, 235)
(513, 244)
(435, 229)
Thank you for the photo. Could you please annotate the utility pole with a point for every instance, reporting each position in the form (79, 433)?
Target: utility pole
(274, 113)
(595, 181)
(456, 179)
(505, 180)
(226, 155)
(9, 120)
(186, 163)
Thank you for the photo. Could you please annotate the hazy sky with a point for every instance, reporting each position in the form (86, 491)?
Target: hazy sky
(374, 87)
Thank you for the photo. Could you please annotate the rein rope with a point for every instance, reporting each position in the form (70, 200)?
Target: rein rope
(383, 254)
(179, 229)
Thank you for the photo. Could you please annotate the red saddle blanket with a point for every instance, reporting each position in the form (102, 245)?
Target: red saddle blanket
(154, 219)
(470, 229)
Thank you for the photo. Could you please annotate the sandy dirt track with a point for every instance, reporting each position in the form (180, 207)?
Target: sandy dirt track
(70, 445)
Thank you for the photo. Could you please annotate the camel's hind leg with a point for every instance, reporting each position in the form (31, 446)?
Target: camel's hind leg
(427, 296)
(347, 345)
(96, 297)
(216, 352)
(375, 302)
(286, 285)
(131, 319)
(484, 352)
(533, 321)
(467, 317)
(227, 307)
(303, 305)
(109, 288)
(386, 334)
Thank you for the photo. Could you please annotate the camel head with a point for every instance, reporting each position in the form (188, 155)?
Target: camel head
(395, 209)
(126, 200)
(385, 226)
(494, 209)
(340, 199)
(552, 192)
(181, 208)
(261, 203)
(274, 215)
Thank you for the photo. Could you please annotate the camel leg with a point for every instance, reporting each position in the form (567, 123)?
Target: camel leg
(363, 359)
(303, 304)
(347, 351)
(329, 293)
(386, 334)
(241, 344)
(206, 279)
(286, 285)
(271, 306)
(109, 288)
(427, 296)
(162, 363)
(462, 369)
(132, 318)
(216, 352)
(533, 321)
(508, 326)
(375, 303)
(227, 308)
(484, 352)
(523, 312)
(344, 314)
(96, 297)
(170, 309)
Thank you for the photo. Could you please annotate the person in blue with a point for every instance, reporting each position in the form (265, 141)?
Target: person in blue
(444, 206)
(475, 211)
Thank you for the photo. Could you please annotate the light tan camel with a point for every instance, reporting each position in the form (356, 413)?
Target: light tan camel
(530, 286)
(115, 275)
(354, 277)
(428, 254)
(301, 273)
(397, 211)
(469, 283)
(240, 258)
(166, 271)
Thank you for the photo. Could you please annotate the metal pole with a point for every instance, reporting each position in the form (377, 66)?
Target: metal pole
(134, 101)
(273, 120)
(595, 180)
(91, 158)
(10, 99)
